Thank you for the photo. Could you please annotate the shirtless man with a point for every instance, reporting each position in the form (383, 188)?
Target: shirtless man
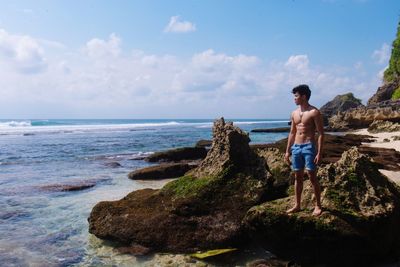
(306, 120)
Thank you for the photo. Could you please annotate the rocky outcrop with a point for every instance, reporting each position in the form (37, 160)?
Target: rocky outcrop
(360, 205)
(178, 154)
(272, 130)
(334, 146)
(202, 210)
(380, 126)
(162, 171)
(384, 93)
(363, 117)
(340, 103)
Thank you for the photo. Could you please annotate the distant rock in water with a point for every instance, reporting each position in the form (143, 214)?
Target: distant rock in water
(272, 130)
(162, 171)
(204, 143)
(340, 103)
(359, 223)
(178, 154)
(68, 187)
(112, 164)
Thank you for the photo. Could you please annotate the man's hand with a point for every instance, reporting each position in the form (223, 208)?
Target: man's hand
(287, 157)
(317, 158)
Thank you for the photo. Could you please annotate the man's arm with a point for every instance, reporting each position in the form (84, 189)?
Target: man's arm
(320, 129)
(291, 137)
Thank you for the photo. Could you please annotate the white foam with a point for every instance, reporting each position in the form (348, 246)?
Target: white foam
(9, 124)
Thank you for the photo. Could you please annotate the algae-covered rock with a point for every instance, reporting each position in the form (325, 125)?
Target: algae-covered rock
(361, 212)
(200, 211)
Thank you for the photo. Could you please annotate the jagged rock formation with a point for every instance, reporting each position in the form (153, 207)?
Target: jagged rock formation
(379, 126)
(359, 221)
(202, 210)
(364, 116)
(340, 103)
(384, 93)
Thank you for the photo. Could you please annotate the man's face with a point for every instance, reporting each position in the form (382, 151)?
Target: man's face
(299, 99)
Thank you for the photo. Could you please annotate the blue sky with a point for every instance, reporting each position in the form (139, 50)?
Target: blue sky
(188, 59)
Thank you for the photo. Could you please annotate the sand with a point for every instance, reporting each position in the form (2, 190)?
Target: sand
(379, 142)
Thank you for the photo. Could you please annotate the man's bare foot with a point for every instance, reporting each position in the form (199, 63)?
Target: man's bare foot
(317, 211)
(293, 210)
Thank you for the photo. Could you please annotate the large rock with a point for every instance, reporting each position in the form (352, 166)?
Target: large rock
(178, 154)
(340, 103)
(202, 210)
(361, 212)
(162, 171)
(380, 126)
(362, 117)
(383, 93)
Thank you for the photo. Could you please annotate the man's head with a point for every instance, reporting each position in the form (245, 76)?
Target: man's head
(301, 93)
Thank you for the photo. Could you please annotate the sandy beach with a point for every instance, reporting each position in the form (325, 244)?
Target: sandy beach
(379, 142)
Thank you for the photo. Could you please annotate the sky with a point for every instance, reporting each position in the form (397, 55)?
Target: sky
(188, 59)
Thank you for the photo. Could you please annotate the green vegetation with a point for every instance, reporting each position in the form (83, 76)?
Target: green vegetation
(350, 97)
(186, 185)
(190, 186)
(396, 94)
(393, 71)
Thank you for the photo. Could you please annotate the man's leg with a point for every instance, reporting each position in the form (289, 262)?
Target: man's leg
(298, 185)
(317, 191)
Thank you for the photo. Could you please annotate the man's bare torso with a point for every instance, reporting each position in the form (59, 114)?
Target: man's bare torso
(305, 125)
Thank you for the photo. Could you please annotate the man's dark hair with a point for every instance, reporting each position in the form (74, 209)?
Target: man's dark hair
(302, 89)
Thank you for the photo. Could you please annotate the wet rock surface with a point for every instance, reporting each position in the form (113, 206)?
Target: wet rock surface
(178, 154)
(162, 171)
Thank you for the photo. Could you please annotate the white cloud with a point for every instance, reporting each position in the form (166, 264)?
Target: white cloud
(382, 55)
(101, 80)
(175, 25)
(98, 48)
(21, 52)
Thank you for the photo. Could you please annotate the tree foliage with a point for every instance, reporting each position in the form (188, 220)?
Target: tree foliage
(393, 71)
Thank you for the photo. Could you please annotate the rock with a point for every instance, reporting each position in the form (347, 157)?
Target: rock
(383, 93)
(201, 211)
(281, 175)
(162, 171)
(335, 145)
(178, 154)
(68, 187)
(113, 164)
(230, 147)
(204, 143)
(272, 130)
(380, 126)
(362, 117)
(340, 103)
(396, 138)
(136, 250)
(360, 205)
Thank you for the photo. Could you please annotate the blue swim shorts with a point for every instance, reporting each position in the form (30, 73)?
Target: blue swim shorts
(303, 155)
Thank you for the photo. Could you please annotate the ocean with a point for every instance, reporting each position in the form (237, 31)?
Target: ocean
(42, 226)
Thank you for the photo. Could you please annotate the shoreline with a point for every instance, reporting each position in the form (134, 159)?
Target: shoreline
(378, 142)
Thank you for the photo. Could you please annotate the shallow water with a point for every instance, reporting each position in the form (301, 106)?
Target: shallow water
(41, 227)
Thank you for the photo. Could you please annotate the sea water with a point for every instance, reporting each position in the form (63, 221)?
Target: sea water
(42, 226)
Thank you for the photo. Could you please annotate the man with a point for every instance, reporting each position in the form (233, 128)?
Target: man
(305, 121)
